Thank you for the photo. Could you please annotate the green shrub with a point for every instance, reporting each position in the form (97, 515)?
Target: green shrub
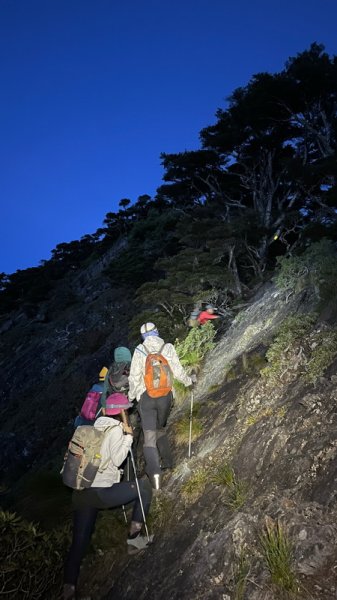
(317, 266)
(31, 560)
(197, 343)
(180, 390)
(322, 355)
(292, 331)
(299, 347)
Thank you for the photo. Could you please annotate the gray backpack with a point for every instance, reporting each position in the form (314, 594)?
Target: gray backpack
(83, 458)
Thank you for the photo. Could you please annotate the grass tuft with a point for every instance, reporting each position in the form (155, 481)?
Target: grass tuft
(194, 487)
(278, 556)
(182, 427)
(240, 573)
(224, 475)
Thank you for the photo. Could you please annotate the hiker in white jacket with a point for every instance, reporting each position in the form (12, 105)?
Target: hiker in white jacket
(107, 491)
(154, 412)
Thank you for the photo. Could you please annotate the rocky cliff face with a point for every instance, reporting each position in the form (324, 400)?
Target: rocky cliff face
(48, 362)
(264, 457)
(265, 461)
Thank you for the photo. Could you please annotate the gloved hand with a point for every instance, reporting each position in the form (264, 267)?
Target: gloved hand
(194, 378)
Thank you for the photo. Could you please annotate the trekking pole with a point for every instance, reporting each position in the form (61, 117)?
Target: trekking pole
(138, 490)
(191, 418)
(127, 479)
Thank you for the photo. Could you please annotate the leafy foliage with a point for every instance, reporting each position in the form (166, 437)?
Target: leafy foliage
(316, 266)
(197, 343)
(280, 354)
(31, 561)
(300, 348)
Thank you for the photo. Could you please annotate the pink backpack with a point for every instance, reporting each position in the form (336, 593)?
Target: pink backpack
(90, 405)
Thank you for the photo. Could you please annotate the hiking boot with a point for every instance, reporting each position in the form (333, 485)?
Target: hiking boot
(138, 543)
(155, 481)
(69, 592)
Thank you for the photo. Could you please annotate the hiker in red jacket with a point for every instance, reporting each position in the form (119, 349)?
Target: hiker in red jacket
(207, 314)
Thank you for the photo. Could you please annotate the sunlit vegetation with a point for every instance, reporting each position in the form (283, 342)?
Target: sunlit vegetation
(195, 485)
(277, 551)
(183, 426)
(236, 490)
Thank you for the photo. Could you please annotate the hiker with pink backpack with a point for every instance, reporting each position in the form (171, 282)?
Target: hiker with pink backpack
(114, 379)
(92, 402)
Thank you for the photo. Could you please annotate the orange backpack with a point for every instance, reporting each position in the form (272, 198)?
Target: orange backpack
(158, 377)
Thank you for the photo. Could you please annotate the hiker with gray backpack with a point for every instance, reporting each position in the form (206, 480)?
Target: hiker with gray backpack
(91, 469)
(154, 365)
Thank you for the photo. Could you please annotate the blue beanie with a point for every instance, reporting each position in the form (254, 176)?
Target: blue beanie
(122, 355)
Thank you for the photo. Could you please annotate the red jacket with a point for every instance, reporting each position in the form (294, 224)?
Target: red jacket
(205, 316)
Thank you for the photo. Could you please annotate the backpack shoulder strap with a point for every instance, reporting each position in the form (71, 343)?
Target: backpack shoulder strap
(146, 353)
(104, 465)
(162, 348)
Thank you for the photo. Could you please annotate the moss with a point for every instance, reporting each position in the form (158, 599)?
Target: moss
(213, 388)
(194, 487)
(256, 417)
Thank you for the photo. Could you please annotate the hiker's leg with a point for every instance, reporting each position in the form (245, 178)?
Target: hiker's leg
(163, 411)
(84, 520)
(148, 415)
(125, 492)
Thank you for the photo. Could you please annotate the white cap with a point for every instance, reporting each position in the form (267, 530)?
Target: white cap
(147, 327)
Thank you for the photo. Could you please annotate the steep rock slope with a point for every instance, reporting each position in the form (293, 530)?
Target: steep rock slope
(48, 362)
(267, 454)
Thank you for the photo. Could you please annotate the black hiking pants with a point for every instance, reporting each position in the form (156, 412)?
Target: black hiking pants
(154, 413)
(87, 504)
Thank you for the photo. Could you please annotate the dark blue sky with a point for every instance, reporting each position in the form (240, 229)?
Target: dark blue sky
(93, 90)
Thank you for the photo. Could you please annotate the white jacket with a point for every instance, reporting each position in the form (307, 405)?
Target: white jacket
(153, 343)
(116, 446)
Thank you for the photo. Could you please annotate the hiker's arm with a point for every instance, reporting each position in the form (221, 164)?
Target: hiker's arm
(136, 375)
(119, 446)
(176, 366)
